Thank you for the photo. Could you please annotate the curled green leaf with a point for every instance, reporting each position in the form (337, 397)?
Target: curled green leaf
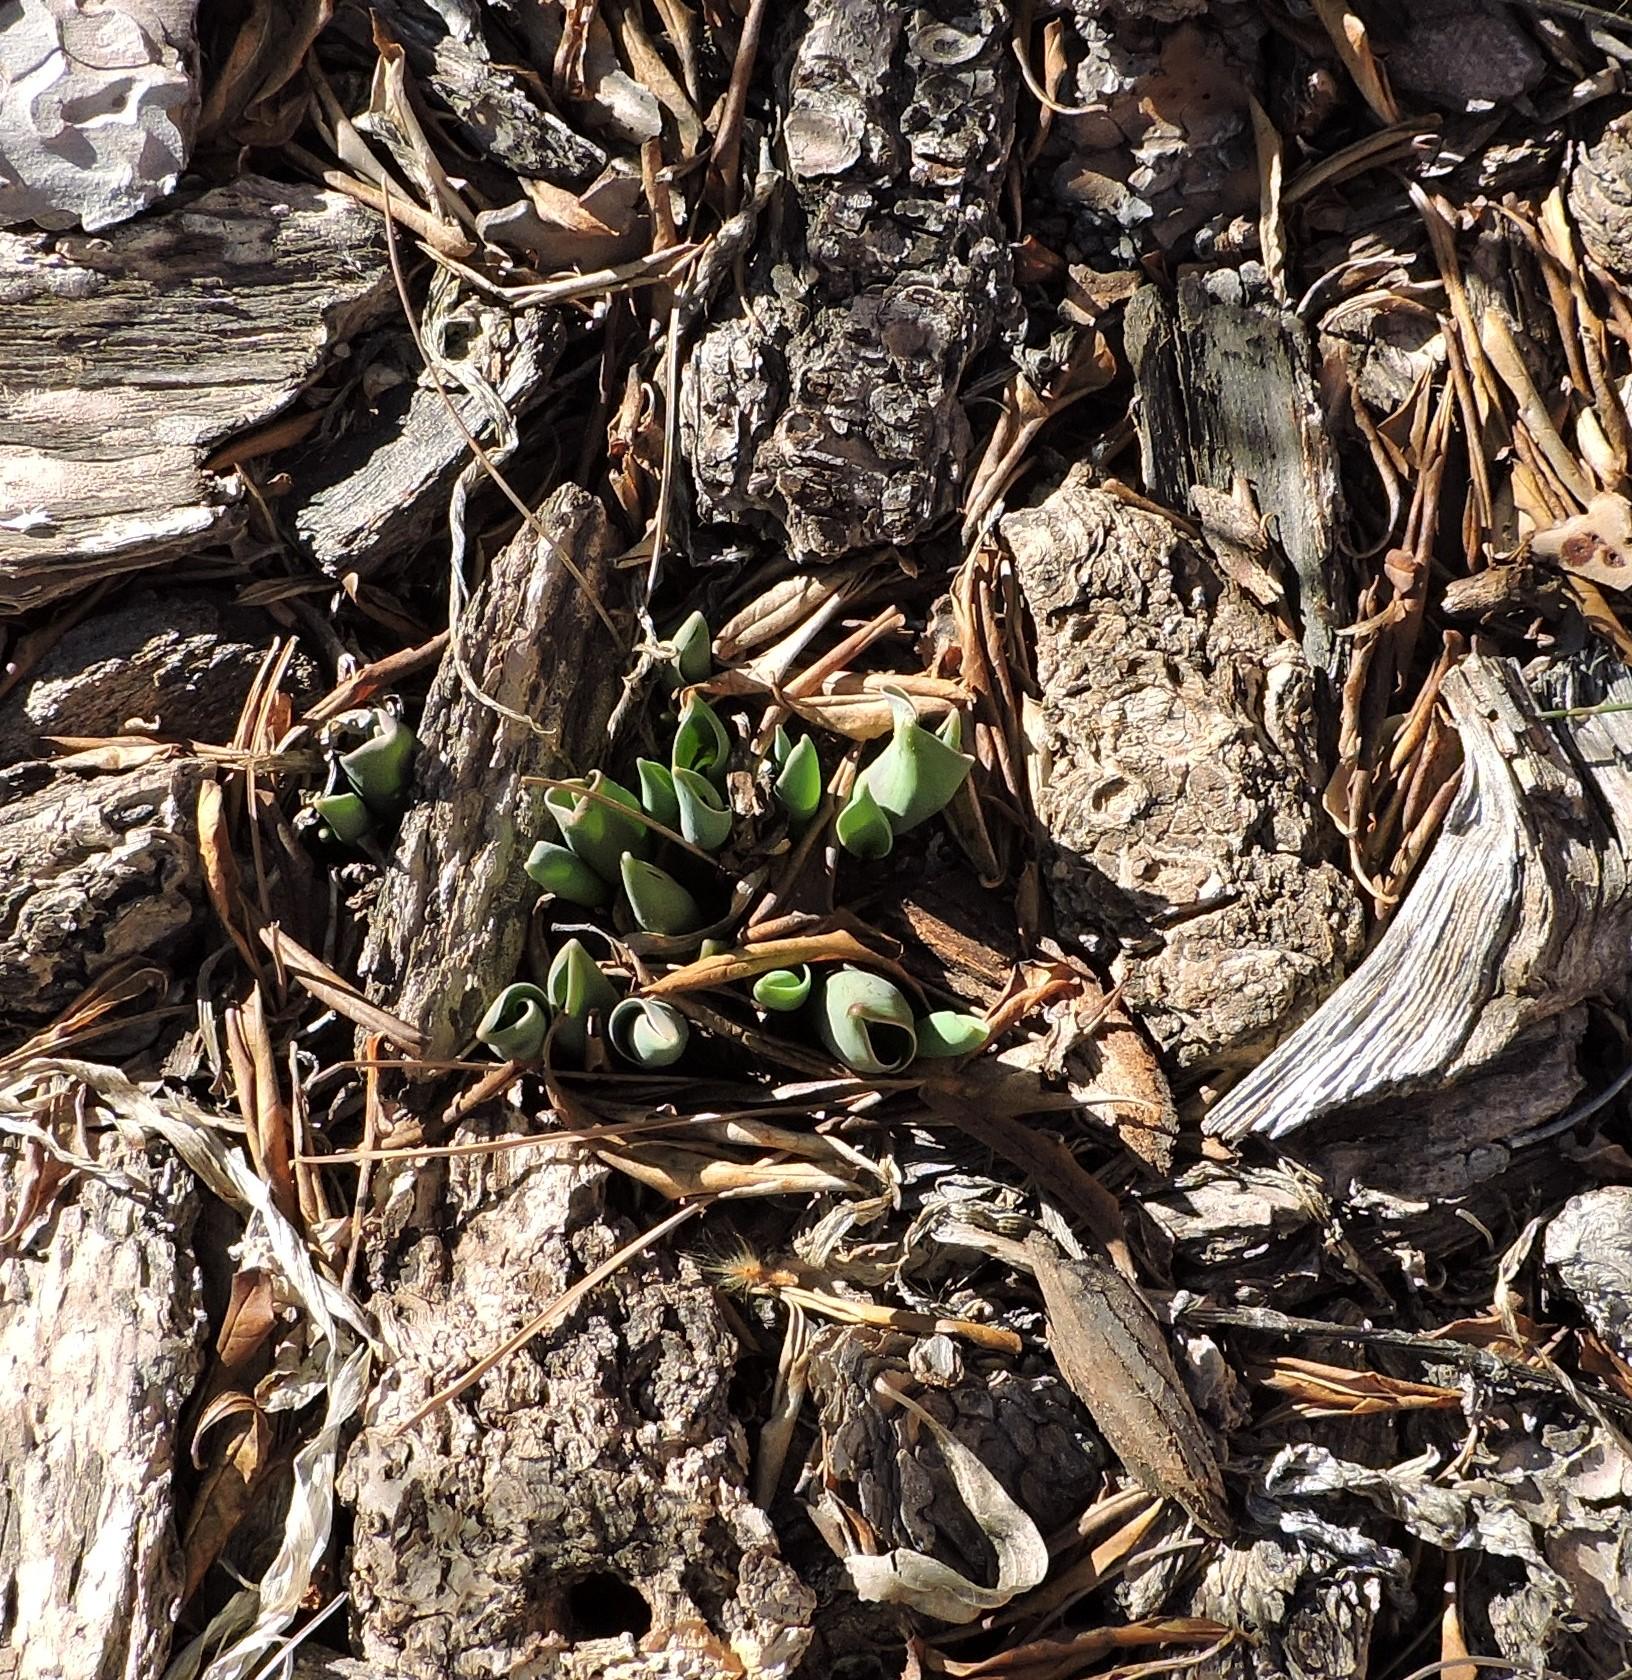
(515, 1023)
(917, 773)
(705, 818)
(648, 1032)
(798, 784)
(783, 989)
(657, 792)
(344, 815)
(378, 769)
(577, 989)
(565, 874)
(866, 1022)
(659, 903)
(701, 742)
(863, 828)
(691, 651)
(947, 1032)
(595, 830)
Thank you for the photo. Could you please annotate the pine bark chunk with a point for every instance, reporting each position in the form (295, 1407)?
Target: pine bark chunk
(1180, 788)
(101, 1341)
(131, 356)
(829, 405)
(583, 1510)
(94, 870)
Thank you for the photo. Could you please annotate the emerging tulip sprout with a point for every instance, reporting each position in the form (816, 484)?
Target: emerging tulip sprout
(648, 1032)
(515, 1023)
(368, 786)
(915, 776)
(643, 861)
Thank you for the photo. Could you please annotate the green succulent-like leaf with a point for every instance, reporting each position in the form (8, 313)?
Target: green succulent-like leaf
(648, 1032)
(378, 769)
(660, 904)
(657, 792)
(947, 1032)
(565, 874)
(714, 948)
(705, 818)
(345, 816)
(863, 828)
(515, 1023)
(597, 832)
(691, 650)
(866, 1022)
(701, 742)
(917, 773)
(951, 732)
(798, 784)
(783, 989)
(577, 988)
(781, 746)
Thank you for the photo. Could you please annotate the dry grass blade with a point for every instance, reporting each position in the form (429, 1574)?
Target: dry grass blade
(337, 992)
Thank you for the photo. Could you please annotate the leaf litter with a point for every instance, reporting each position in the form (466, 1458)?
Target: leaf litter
(1043, 1208)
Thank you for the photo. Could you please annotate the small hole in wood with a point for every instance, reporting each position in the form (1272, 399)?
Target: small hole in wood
(603, 1605)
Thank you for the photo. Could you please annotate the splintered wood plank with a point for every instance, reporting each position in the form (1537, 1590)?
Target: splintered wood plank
(130, 356)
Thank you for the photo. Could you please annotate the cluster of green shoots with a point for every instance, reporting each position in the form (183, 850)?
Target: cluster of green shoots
(610, 857)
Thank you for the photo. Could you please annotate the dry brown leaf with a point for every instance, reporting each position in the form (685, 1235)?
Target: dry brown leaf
(726, 969)
(1111, 1350)
(1318, 1390)
(1596, 544)
(1066, 1658)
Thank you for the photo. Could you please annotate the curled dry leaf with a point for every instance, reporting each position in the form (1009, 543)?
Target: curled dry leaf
(936, 1589)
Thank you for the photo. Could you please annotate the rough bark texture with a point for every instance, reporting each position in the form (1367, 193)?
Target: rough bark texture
(93, 870)
(592, 1486)
(829, 401)
(451, 919)
(181, 664)
(130, 355)
(1520, 913)
(1177, 778)
(101, 1339)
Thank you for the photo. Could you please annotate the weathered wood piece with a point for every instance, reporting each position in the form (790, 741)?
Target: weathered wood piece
(101, 1340)
(451, 919)
(130, 355)
(93, 870)
(583, 1511)
(1177, 779)
(1226, 391)
(182, 663)
(828, 402)
(383, 487)
(1522, 910)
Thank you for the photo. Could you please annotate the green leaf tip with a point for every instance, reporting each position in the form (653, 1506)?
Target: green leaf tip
(866, 1022)
(515, 1023)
